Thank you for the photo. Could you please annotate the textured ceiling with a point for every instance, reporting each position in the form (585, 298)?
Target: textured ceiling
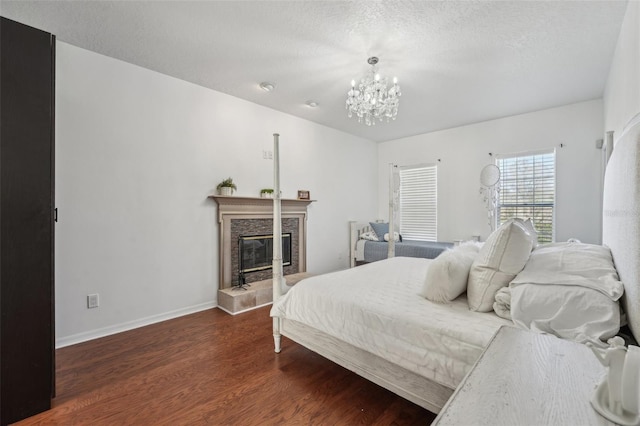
(458, 62)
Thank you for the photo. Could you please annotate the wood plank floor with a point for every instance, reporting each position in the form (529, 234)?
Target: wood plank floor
(213, 368)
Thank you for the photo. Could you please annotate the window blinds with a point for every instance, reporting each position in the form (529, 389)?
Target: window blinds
(527, 190)
(419, 202)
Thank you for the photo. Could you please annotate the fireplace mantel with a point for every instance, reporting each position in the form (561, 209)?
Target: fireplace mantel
(232, 208)
(256, 205)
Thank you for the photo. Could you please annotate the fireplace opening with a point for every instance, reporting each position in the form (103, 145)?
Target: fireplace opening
(256, 253)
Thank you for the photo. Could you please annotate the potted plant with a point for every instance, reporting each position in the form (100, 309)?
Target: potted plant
(226, 187)
(266, 193)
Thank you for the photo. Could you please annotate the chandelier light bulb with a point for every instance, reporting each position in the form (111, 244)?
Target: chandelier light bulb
(373, 98)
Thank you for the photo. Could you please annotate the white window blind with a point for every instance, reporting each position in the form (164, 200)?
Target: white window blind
(528, 190)
(419, 202)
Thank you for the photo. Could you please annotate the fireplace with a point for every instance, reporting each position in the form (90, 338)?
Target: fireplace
(248, 216)
(260, 227)
(256, 254)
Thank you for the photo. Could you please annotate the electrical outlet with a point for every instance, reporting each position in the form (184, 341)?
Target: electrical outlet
(93, 301)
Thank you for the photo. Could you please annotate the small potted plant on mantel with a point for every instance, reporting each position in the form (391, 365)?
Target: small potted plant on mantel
(266, 193)
(226, 187)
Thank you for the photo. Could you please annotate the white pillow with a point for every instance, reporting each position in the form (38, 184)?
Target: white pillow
(395, 235)
(369, 236)
(569, 290)
(472, 245)
(448, 273)
(528, 225)
(504, 254)
(570, 312)
(572, 264)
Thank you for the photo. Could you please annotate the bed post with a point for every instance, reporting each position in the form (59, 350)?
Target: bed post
(277, 337)
(394, 184)
(277, 239)
(353, 240)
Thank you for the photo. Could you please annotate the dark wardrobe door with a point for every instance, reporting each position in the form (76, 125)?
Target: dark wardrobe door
(26, 220)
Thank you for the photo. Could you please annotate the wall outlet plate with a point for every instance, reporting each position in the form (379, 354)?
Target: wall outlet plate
(93, 301)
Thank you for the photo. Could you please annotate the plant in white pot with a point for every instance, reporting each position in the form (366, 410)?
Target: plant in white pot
(226, 187)
(266, 193)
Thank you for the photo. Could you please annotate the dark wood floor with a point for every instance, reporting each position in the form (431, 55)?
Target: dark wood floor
(213, 368)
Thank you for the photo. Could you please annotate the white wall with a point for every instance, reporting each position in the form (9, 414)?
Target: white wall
(137, 153)
(464, 151)
(622, 93)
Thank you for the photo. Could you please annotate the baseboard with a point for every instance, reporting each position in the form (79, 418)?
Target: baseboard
(130, 325)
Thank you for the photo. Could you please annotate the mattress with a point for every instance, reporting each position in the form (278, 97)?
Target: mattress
(376, 307)
(372, 251)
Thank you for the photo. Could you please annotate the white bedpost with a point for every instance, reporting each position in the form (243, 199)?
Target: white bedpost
(353, 240)
(393, 188)
(277, 239)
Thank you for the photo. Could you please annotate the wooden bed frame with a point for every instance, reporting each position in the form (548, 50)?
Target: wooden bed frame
(621, 232)
(407, 384)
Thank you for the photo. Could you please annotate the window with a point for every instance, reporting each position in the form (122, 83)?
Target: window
(527, 190)
(419, 202)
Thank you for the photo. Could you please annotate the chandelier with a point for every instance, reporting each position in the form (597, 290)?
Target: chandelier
(372, 99)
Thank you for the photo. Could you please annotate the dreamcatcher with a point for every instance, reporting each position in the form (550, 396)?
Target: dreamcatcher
(490, 191)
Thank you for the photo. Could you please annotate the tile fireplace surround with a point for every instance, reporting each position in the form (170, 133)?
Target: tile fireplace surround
(249, 216)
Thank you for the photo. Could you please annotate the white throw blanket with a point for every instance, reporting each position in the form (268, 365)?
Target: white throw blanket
(502, 305)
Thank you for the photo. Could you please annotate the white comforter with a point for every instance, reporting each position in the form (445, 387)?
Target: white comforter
(376, 307)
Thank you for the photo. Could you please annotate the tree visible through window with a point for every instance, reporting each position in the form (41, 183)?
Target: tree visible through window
(419, 202)
(528, 187)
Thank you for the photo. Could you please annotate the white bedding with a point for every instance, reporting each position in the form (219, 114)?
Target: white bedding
(376, 307)
(570, 290)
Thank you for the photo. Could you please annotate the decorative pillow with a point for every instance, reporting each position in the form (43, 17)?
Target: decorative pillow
(503, 255)
(380, 229)
(369, 236)
(528, 225)
(472, 245)
(397, 237)
(448, 273)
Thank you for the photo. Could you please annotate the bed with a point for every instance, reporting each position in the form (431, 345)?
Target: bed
(366, 251)
(360, 297)
(423, 354)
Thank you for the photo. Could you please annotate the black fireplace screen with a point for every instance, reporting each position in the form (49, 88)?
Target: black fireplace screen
(256, 252)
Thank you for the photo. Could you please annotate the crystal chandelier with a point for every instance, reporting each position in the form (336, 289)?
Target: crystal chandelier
(372, 98)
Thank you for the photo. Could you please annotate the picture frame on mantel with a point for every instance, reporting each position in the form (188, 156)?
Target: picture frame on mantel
(303, 195)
